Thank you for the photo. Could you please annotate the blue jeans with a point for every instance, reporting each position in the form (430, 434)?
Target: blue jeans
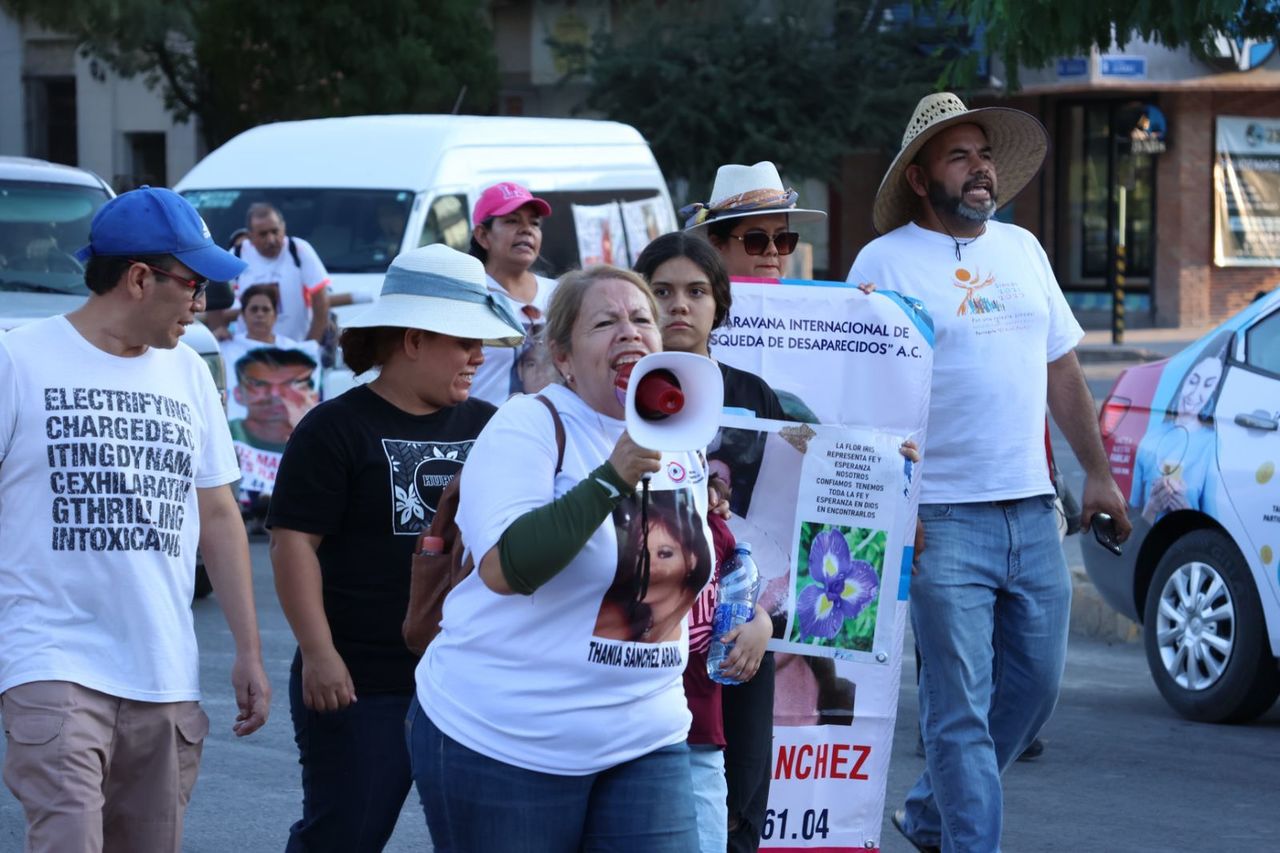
(355, 771)
(990, 608)
(475, 804)
(710, 797)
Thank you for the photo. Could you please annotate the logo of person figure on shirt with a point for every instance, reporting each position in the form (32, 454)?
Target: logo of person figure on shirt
(971, 283)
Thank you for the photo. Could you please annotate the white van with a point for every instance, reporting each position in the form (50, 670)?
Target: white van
(363, 188)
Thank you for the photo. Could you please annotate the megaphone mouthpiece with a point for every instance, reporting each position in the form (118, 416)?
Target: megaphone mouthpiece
(659, 396)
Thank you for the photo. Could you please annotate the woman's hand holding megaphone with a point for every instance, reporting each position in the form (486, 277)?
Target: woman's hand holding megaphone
(633, 462)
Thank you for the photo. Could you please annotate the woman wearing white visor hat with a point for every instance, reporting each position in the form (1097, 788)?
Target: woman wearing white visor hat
(360, 478)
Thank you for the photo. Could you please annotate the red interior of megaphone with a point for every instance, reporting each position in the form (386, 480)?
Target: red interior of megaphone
(657, 396)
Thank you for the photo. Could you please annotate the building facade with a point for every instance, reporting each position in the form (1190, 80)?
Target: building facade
(60, 106)
(1145, 140)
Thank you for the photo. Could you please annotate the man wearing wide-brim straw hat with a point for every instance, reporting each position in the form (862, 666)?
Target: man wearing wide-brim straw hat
(991, 599)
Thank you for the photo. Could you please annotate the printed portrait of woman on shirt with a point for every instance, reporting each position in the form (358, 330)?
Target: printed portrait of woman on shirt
(648, 604)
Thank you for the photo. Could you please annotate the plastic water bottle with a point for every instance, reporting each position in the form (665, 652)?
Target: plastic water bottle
(735, 605)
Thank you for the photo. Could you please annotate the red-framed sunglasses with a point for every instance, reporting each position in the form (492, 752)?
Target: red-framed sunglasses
(195, 285)
(757, 242)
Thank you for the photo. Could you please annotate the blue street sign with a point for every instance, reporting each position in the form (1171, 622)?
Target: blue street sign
(1074, 66)
(1124, 66)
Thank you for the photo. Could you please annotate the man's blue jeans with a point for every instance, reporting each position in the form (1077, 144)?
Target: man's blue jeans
(475, 804)
(990, 608)
(355, 771)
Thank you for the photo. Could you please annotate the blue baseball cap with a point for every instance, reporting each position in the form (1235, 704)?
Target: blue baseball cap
(156, 221)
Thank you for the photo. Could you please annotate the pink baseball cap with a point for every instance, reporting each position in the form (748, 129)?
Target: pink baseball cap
(501, 199)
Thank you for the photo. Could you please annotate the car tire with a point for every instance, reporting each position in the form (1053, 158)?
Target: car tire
(1216, 670)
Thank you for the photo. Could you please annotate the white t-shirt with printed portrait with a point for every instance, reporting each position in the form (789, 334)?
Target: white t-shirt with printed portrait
(100, 460)
(295, 281)
(542, 681)
(999, 318)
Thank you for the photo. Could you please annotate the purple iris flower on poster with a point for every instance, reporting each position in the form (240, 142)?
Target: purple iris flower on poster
(844, 587)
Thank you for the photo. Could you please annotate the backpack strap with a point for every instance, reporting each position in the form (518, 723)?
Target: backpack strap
(559, 424)
(235, 250)
(293, 251)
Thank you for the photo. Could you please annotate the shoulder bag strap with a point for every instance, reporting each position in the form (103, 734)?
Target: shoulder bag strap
(559, 424)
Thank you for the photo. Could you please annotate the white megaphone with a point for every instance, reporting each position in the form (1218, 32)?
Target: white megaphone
(674, 401)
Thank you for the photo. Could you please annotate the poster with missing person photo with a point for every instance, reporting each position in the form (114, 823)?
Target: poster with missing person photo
(270, 389)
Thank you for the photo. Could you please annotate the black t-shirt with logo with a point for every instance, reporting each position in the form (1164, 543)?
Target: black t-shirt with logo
(367, 477)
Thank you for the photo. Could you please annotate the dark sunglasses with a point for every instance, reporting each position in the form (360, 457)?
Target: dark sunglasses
(196, 285)
(757, 242)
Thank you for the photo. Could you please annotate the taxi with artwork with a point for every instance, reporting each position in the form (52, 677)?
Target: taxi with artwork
(1194, 442)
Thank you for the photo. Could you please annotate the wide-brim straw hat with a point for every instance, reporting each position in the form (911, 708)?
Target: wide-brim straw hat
(442, 290)
(741, 191)
(1018, 143)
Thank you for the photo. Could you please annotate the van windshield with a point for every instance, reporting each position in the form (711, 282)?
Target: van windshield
(41, 226)
(352, 230)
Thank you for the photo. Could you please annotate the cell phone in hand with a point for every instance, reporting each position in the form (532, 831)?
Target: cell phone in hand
(1104, 530)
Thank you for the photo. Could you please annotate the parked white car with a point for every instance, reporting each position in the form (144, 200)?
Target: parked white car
(1194, 441)
(45, 211)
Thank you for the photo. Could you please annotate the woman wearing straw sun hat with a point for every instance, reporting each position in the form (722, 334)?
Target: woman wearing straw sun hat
(749, 219)
(992, 641)
(360, 477)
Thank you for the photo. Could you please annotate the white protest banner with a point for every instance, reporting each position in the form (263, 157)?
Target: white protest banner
(600, 234)
(829, 507)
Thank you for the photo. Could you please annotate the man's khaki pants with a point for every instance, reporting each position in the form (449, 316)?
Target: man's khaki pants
(99, 773)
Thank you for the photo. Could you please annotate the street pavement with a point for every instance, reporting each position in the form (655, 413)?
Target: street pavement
(1121, 772)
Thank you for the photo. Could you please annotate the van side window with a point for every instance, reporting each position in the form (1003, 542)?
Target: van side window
(1262, 348)
(447, 223)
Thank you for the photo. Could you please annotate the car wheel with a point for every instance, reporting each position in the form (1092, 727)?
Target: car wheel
(1205, 635)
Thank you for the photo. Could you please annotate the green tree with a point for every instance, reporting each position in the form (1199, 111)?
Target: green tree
(1032, 33)
(234, 64)
(740, 81)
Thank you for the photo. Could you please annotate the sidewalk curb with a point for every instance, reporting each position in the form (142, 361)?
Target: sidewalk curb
(1092, 617)
(1108, 353)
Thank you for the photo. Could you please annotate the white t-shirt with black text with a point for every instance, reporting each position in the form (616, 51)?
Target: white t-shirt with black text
(999, 318)
(295, 281)
(543, 681)
(100, 459)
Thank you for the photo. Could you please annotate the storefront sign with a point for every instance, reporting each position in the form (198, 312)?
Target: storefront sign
(1128, 67)
(1247, 192)
(1147, 136)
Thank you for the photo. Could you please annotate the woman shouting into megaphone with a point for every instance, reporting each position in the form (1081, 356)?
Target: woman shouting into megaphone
(550, 707)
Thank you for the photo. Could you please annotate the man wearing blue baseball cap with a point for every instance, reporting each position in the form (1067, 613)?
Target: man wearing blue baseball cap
(115, 465)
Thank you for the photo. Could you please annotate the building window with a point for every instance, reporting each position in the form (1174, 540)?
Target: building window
(148, 162)
(51, 119)
(1096, 168)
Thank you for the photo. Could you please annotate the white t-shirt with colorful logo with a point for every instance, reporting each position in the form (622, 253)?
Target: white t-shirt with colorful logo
(100, 459)
(585, 673)
(999, 318)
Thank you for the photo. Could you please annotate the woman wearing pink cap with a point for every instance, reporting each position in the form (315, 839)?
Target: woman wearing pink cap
(507, 238)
